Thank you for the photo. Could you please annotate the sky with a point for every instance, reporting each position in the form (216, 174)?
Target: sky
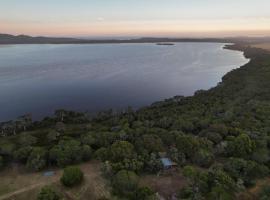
(116, 18)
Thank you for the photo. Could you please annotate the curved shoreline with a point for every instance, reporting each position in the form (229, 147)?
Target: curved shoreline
(204, 70)
(226, 46)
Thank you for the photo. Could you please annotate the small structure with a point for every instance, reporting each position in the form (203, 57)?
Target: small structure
(49, 173)
(168, 163)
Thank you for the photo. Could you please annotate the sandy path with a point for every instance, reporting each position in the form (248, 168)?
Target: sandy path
(25, 189)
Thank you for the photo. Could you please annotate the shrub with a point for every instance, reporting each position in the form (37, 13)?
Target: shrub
(26, 139)
(67, 152)
(86, 152)
(48, 193)
(23, 153)
(125, 183)
(37, 159)
(1, 162)
(72, 176)
(102, 154)
(121, 150)
(203, 158)
(264, 193)
(143, 193)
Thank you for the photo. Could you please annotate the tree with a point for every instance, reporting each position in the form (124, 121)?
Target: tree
(203, 158)
(60, 127)
(198, 183)
(27, 139)
(23, 122)
(264, 193)
(187, 144)
(102, 154)
(60, 114)
(220, 182)
(125, 183)
(23, 153)
(241, 146)
(48, 193)
(247, 171)
(72, 176)
(52, 136)
(214, 184)
(7, 149)
(177, 156)
(86, 152)
(143, 193)
(1, 162)
(219, 193)
(128, 164)
(88, 139)
(121, 150)
(154, 163)
(37, 159)
(214, 137)
(66, 152)
(152, 143)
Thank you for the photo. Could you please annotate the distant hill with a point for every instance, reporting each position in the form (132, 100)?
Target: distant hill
(25, 39)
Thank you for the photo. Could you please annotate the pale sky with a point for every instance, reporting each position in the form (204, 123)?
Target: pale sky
(135, 17)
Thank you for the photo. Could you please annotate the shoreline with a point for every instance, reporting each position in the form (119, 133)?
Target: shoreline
(228, 46)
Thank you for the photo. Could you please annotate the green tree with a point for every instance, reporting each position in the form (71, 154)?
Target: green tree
(48, 193)
(53, 136)
(153, 143)
(23, 153)
(1, 162)
(125, 183)
(72, 176)
(221, 183)
(66, 152)
(27, 139)
(86, 152)
(121, 150)
(154, 163)
(264, 193)
(198, 183)
(128, 164)
(187, 144)
(177, 156)
(241, 146)
(37, 159)
(247, 171)
(144, 193)
(203, 158)
(88, 139)
(219, 193)
(102, 154)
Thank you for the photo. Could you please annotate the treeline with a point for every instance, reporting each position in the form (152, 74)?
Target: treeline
(219, 137)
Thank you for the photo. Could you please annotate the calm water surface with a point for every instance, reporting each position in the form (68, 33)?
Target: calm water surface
(38, 79)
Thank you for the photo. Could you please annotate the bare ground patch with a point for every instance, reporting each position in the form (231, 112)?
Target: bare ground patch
(265, 46)
(166, 185)
(17, 184)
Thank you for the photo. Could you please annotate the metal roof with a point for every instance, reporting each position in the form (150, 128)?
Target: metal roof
(166, 162)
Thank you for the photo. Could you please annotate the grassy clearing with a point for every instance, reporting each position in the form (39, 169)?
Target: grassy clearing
(17, 178)
(19, 185)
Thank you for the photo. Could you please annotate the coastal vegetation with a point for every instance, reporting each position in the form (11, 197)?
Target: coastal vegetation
(220, 139)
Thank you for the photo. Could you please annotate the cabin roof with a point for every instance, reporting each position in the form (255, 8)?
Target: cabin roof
(166, 162)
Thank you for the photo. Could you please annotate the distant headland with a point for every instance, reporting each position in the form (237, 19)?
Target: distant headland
(25, 39)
